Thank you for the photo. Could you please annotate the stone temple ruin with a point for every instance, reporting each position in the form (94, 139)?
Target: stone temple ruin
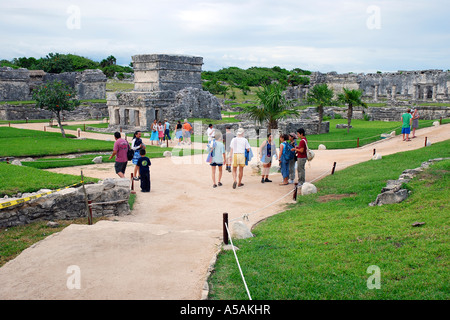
(402, 86)
(18, 84)
(165, 87)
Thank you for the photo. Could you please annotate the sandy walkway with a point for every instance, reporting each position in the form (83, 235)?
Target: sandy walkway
(163, 249)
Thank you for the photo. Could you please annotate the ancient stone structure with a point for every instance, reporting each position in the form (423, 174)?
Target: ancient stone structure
(411, 86)
(165, 86)
(18, 84)
(109, 198)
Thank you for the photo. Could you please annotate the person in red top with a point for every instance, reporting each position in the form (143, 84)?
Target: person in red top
(301, 156)
(120, 151)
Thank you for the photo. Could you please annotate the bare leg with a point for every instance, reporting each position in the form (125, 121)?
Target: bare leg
(220, 174)
(213, 170)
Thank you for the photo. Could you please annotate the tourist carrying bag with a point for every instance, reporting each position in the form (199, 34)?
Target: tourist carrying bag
(130, 153)
(309, 153)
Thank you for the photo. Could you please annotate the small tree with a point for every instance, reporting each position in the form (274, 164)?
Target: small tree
(55, 96)
(352, 98)
(321, 96)
(273, 106)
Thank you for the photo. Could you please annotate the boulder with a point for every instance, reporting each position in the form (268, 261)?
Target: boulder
(377, 156)
(239, 230)
(98, 160)
(322, 147)
(308, 188)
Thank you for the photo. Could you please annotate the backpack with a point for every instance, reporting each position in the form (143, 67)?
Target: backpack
(130, 153)
(288, 154)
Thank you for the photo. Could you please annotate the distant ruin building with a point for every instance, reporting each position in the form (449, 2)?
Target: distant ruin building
(407, 86)
(18, 84)
(165, 87)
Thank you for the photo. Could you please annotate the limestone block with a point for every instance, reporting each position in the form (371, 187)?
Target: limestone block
(167, 154)
(308, 188)
(97, 160)
(16, 162)
(377, 156)
(322, 147)
(239, 230)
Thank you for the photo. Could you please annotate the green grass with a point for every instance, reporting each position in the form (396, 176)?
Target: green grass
(321, 249)
(14, 179)
(23, 143)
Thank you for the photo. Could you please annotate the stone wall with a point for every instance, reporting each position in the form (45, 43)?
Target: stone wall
(18, 84)
(412, 86)
(85, 111)
(70, 204)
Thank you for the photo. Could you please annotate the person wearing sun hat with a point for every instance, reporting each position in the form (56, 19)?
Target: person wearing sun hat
(238, 146)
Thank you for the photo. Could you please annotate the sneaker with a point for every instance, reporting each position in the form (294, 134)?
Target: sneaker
(267, 180)
(214, 185)
(135, 178)
(262, 180)
(234, 185)
(291, 181)
(220, 184)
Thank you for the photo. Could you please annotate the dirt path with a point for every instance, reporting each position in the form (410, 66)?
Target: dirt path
(164, 248)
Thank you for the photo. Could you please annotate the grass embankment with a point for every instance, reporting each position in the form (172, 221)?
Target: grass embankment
(322, 246)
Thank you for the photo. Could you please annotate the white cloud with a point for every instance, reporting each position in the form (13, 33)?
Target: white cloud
(322, 35)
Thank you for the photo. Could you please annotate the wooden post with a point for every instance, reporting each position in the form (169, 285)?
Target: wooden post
(294, 197)
(440, 121)
(334, 168)
(357, 144)
(90, 213)
(84, 126)
(45, 130)
(225, 223)
(9, 123)
(85, 196)
(426, 138)
(374, 151)
(132, 184)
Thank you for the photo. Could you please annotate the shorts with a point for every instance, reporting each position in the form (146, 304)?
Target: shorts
(415, 123)
(238, 160)
(216, 164)
(187, 134)
(406, 130)
(120, 167)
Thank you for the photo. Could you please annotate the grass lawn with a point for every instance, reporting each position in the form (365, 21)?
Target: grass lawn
(23, 143)
(14, 179)
(321, 248)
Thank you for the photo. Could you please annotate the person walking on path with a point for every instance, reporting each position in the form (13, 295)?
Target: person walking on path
(293, 161)
(167, 130)
(284, 159)
(160, 132)
(120, 152)
(238, 146)
(228, 137)
(415, 122)
(301, 156)
(210, 132)
(137, 145)
(187, 128)
(216, 149)
(406, 124)
(154, 136)
(144, 164)
(266, 152)
(179, 131)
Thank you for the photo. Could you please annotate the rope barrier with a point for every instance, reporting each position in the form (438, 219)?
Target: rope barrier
(237, 261)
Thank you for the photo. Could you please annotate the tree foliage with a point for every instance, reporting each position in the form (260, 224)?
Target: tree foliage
(321, 96)
(352, 98)
(56, 97)
(272, 106)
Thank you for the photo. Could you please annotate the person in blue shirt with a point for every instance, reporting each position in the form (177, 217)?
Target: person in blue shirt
(167, 130)
(218, 157)
(144, 164)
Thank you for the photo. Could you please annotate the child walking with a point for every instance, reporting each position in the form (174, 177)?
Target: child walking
(144, 164)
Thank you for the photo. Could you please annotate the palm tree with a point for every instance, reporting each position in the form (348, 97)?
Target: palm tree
(321, 96)
(352, 98)
(272, 106)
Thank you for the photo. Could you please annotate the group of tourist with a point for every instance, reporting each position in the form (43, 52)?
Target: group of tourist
(236, 154)
(233, 152)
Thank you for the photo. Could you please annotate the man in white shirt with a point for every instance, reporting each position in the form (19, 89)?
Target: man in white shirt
(210, 132)
(238, 146)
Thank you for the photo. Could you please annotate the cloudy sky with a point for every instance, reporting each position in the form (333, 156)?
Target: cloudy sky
(323, 35)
